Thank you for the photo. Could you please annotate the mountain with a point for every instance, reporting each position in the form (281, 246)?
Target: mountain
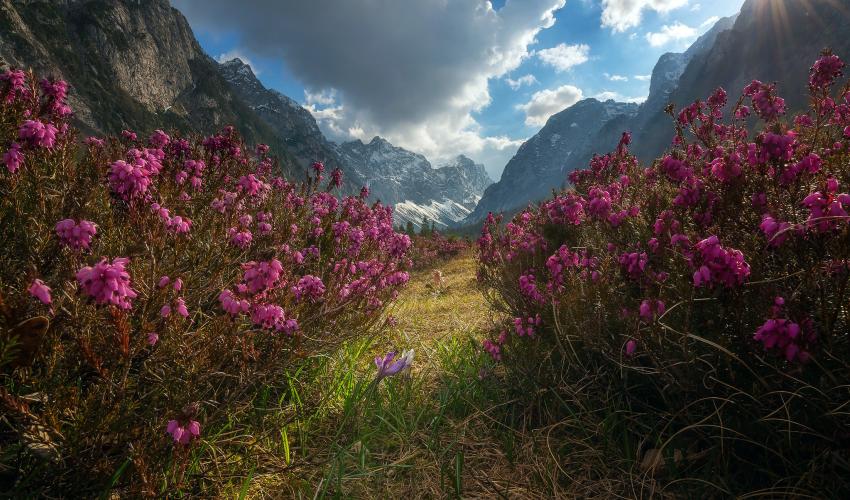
(130, 64)
(570, 138)
(399, 177)
(567, 142)
(771, 41)
(293, 124)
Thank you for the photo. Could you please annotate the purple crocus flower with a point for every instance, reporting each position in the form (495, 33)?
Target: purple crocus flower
(388, 365)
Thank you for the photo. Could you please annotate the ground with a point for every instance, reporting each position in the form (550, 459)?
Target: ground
(431, 433)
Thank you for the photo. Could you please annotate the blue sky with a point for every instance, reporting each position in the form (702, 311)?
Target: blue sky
(445, 77)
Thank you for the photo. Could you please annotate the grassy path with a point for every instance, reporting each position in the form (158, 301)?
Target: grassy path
(429, 434)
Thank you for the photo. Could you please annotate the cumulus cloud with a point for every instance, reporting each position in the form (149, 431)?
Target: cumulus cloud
(671, 33)
(642, 78)
(563, 57)
(519, 82)
(413, 71)
(237, 54)
(547, 102)
(620, 15)
(608, 94)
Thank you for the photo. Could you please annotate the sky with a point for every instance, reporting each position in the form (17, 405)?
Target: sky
(449, 77)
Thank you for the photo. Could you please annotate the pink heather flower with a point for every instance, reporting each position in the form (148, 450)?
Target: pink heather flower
(159, 139)
(153, 338)
(719, 265)
(826, 211)
(272, 316)
(40, 291)
(787, 337)
(183, 434)
(76, 236)
(231, 304)
(630, 348)
(108, 283)
(180, 307)
(38, 134)
(651, 308)
(13, 158)
(310, 287)
(775, 231)
(261, 276)
(318, 167)
(262, 149)
(528, 287)
(178, 284)
(825, 71)
(128, 135)
(179, 224)
(241, 239)
(388, 366)
(163, 282)
(129, 180)
(165, 311)
(95, 142)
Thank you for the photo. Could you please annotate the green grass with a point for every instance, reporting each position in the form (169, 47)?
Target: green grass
(431, 433)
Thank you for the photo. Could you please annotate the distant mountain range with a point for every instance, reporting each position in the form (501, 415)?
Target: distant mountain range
(444, 195)
(137, 65)
(769, 40)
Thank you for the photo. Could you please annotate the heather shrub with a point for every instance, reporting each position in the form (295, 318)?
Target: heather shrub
(689, 319)
(153, 288)
(435, 248)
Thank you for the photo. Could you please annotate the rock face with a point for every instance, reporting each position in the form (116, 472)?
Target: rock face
(565, 143)
(293, 124)
(130, 64)
(399, 177)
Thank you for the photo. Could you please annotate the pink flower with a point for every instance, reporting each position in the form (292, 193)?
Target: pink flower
(163, 282)
(165, 311)
(631, 347)
(180, 307)
(38, 134)
(261, 276)
(231, 304)
(129, 180)
(184, 434)
(40, 291)
(178, 284)
(153, 338)
(158, 139)
(74, 235)
(310, 287)
(108, 283)
(13, 158)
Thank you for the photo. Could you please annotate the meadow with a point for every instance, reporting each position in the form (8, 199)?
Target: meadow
(178, 320)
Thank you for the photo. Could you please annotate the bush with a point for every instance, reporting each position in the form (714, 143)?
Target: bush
(152, 290)
(431, 250)
(690, 319)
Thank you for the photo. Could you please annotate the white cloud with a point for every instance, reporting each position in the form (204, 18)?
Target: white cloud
(236, 54)
(616, 78)
(608, 94)
(323, 97)
(620, 15)
(696, 7)
(642, 78)
(519, 82)
(418, 95)
(671, 33)
(709, 22)
(563, 57)
(547, 102)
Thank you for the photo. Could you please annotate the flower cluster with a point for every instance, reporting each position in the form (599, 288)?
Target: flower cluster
(76, 235)
(108, 283)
